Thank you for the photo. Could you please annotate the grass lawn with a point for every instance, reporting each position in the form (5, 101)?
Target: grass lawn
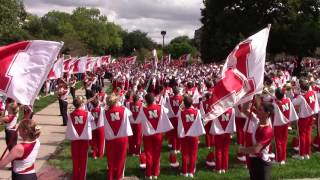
(97, 168)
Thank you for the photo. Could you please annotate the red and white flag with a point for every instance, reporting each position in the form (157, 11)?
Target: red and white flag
(105, 60)
(242, 75)
(57, 69)
(24, 68)
(79, 65)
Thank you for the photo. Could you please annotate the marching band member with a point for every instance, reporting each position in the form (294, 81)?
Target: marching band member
(154, 122)
(117, 129)
(79, 131)
(173, 105)
(102, 96)
(63, 92)
(240, 119)
(259, 158)
(24, 154)
(10, 120)
(284, 113)
(205, 109)
(136, 139)
(307, 106)
(97, 142)
(189, 128)
(221, 128)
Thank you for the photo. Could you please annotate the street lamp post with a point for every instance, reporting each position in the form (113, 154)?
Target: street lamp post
(163, 33)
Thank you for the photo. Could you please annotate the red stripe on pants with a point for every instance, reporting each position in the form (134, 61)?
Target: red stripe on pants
(281, 138)
(136, 139)
(222, 143)
(97, 142)
(305, 128)
(189, 150)
(152, 149)
(79, 154)
(116, 150)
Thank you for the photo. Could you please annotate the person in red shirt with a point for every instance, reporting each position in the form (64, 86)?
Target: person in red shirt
(260, 162)
(79, 131)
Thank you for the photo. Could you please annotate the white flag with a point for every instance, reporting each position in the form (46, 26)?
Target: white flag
(24, 68)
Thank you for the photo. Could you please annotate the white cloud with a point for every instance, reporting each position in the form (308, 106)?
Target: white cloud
(177, 17)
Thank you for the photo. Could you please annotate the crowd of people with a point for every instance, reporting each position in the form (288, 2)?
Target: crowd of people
(149, 105)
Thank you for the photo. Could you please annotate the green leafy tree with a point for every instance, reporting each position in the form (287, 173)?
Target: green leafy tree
(12, 16)
(178, 49)
(136, 40)
(295, 25)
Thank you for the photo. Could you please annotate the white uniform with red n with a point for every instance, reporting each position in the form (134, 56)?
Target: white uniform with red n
(25, 164)
(173, 105)
(205, 108)
(135, 141)
(194, 93)
(308, 106)
(79, 131)
(97, 141)
(284, 113)
(117, 129)
(154, 122)
(221, 128)
(189, 128)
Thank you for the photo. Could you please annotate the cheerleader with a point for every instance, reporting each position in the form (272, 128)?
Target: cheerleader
(79, 131)
(24, 154)
(154, 122)
(117, 129)
(189, 128)
(221, 128)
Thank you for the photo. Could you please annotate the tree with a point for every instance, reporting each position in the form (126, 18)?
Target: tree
(295, 24)
(178, 49)
(136, 40)
(12, 16)
(182, 39)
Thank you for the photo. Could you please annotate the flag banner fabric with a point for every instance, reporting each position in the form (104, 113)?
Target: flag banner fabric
(56, 71)
(24, 68)
(248, 58)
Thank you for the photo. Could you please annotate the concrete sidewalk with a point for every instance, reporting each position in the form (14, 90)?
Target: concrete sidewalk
(52, 134)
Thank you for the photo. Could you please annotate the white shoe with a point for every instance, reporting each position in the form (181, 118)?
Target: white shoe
(298, 157)
(289, 128)
(241, 158)
(190, 175)
(150, 177)
(184, 175)
(306, 157)
(220, 171)
(223, 171)
(155, 177)
(296, 148)
(282, 163)
(315, 145)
